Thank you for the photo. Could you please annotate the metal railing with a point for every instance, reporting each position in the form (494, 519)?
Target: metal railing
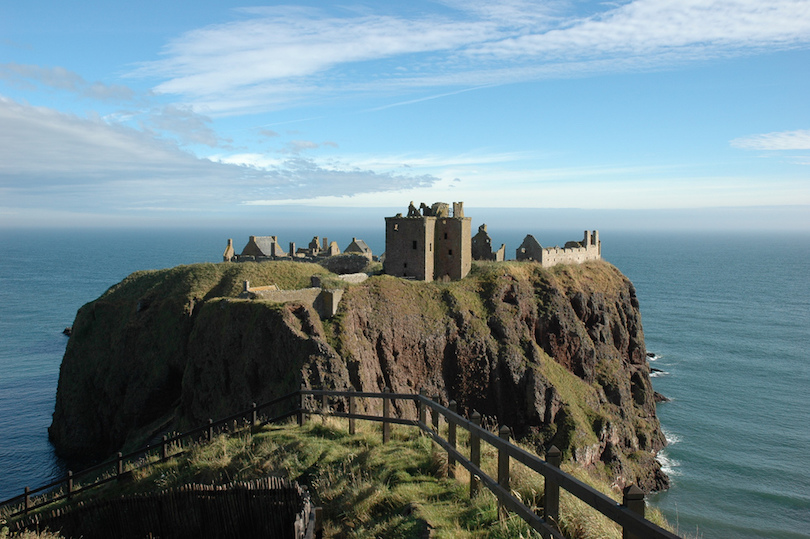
(629, 515)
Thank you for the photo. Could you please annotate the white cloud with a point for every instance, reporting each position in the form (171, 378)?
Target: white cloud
(783, 140)
(60, 78)
(188, 125)
(282, 55)
(647, 27)
(64, 162)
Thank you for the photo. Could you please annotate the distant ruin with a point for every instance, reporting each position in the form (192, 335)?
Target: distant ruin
(429, 243)
(482, 247)
(260, 248)
(574, 252)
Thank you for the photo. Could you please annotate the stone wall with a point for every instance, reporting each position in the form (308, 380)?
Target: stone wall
(428, 245)
(409, 244)
(590, 248)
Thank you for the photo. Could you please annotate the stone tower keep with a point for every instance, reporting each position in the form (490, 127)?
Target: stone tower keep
(429, 243)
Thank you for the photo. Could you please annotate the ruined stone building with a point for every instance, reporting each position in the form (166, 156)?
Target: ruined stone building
(316, 249)
(268, 248)
(482, 247)
(358, 247)
(574, 252)
(429, 243)
(262, 246)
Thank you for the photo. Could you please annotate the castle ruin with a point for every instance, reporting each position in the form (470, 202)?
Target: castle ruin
(429, 243)
(482, 247)
(574, 252)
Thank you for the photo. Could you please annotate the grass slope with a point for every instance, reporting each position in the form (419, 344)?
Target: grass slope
(369, 489)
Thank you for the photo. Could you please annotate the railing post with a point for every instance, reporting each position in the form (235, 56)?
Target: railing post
(254, 416)
(119, 464)
(503, 469)
(551, 505)
(475, 454)
(422, 414)
(386, 426)
(451, 439)
(352, 411)
(435, 415)
(70, 483)
(27, 499)
(300, 409)
(163, 449)
(633, 500)
(210, 430)
(324, 405)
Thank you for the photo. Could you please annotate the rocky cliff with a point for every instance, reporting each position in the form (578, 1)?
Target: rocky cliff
(557, 354)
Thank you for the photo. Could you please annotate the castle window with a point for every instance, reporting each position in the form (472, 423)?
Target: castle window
(414, 244)
(445, 235)
(396, 227)
(405, 265)
(450, 252)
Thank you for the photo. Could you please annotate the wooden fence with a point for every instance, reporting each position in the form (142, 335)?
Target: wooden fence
(629, 515)
(268, 507)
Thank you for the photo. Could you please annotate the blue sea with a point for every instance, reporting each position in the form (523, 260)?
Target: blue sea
(726, 314)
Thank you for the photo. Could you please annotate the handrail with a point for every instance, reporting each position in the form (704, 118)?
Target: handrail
(633, 523)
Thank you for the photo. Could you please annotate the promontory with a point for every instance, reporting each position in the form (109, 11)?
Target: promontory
(557, 354)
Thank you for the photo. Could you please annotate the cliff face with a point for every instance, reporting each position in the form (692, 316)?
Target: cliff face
(558, 355)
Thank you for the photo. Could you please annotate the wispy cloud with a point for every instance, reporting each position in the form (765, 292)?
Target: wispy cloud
(784, 140)
(277, 56)
(53, 160)
(192, 128)
(60, 78)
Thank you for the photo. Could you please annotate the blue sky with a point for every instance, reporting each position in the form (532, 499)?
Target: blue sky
(192, 112)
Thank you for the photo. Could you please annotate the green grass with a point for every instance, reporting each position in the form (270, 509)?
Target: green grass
(369, 489)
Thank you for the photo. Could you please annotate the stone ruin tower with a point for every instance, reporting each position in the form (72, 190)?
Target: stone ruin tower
(428, 243)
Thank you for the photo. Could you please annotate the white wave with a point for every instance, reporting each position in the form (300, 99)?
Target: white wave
(668, 465)
(658, 374)
(671, 437)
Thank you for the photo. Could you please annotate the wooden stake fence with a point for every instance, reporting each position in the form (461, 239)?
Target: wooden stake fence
(629, 515)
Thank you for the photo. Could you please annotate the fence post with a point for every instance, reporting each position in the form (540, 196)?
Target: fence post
(475, 454)
(503, 469)
(451, 439)
(254, 416)
(210, 430)
(422, 414)
(300, 408)
(352, 411)
(633, 500)
(551, 505)
(119, 464)
(435, 415)
(324, 405)
(70, 483)
(27, 499)
(164, 453)
(386, 426)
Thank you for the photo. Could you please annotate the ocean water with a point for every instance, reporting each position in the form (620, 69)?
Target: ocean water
(727, 315)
